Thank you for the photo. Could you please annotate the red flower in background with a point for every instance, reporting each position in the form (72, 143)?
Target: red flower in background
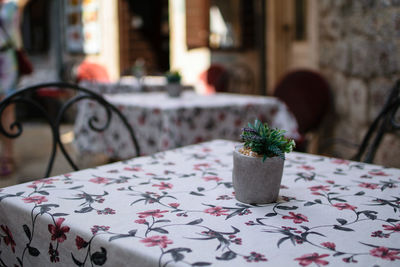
(54, 256)
(395, 228)
(344, 206)
(307, 259)
(212, 178)
(199, 166)
(152, 241)
(99, 180)
(97, 228)
(44, 181)
(80, 242)
(385, 253)
(35, 199)
(306, 167)
(133, 169)
(329, 245)
(174, 205)
(380, 234)
(340, 161)
(8, 238)
(155, 213)
(319, 187)
(255, 257)
(368, 185)
(378, 173)
(297, 218)
(140, 221)
(163, 186)
(57, 231)
(216, 211)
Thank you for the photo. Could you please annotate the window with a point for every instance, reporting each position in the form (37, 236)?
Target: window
(220, 24)
(300, 20)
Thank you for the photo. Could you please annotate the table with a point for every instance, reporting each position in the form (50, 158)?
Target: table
(129, 84)
(161, 122)
(177, 208)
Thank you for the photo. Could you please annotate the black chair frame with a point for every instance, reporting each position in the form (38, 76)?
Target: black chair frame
(383, 123)
(24, 96)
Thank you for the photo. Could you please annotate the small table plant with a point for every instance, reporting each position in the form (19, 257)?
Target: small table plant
(174, 87)
(258, 163)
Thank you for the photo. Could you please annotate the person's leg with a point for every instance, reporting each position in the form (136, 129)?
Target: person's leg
(7, 149)
(8, 82)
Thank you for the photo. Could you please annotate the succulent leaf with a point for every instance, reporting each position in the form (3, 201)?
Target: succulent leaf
(265, 141)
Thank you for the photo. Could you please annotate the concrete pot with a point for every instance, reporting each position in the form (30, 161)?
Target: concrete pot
(174, 89)
(255, 181)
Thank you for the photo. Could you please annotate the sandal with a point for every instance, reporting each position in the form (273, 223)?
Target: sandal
(7, 166)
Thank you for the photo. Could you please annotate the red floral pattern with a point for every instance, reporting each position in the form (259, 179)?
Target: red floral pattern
(8, 237)
(153, 213)
(35, 199)
(385, 253)
(57, 231)
(179, 208)
(216, 211)
(190, 120)
(297, 218)
(161, 241)
(307, 259)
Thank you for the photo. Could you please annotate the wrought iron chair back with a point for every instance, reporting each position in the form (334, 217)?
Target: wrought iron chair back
(385, 122)
(24, 96)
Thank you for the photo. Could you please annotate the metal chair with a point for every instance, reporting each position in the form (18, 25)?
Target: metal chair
(385, 122)
(27, 97)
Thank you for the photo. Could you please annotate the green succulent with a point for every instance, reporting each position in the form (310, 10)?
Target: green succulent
(263, 140)
(173, 77)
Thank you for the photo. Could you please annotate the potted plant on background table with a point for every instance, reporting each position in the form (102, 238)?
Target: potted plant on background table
(174, 87)
(258, 163)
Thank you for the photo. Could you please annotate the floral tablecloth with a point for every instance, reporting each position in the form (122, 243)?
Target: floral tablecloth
(177, 208)
(161, 122)
(128, 85)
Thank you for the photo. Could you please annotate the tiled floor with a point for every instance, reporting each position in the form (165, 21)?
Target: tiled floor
(32, 152)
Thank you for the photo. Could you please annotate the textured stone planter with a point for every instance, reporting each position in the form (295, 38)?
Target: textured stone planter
(174, 89)
(255, 181)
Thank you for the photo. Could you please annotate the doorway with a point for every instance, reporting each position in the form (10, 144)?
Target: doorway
(144, 35)
(292, 38)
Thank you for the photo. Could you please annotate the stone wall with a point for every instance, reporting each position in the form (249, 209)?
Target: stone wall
(360, 56)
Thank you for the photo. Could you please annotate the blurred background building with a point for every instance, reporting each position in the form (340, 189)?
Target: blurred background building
(354, 44)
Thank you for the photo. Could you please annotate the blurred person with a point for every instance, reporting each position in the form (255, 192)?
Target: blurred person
(10, 39)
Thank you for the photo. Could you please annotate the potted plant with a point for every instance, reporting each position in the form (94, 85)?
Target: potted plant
(258, 163)
(174, 87)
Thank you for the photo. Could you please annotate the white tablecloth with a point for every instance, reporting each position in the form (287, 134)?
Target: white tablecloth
(129, 84)
(177, 208)
(161, 122)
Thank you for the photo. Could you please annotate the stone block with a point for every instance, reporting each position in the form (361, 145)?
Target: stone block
(349, 133)
(331, 26)
(385, 24)
(341, 59)
(358, 102)
(384, 58)
(379, 90)
(325, 6)
(326, 53)
(370, 25)
(384, 3)
(386, 155)
(396, 24)
(341, 97)
(361, 54)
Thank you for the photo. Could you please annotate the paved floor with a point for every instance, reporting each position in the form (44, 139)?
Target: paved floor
(32, 151)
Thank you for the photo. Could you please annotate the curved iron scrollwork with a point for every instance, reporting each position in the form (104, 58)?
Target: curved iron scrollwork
(24, 96)
(384, 122)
